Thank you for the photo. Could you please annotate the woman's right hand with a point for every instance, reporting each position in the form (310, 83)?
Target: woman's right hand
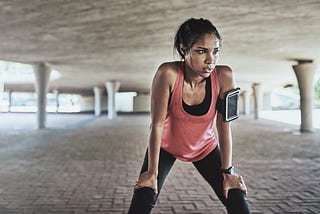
(147, 179)
(231, 181)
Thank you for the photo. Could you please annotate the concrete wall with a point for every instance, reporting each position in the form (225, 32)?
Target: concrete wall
(87, 103)
(266, 103)
(141, 103)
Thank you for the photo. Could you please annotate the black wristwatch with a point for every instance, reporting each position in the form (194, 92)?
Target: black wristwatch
(230, 170)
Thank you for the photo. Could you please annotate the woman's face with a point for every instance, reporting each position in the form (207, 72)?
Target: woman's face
(203, 55)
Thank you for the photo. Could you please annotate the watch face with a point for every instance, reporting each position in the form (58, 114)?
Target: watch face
(232, 170)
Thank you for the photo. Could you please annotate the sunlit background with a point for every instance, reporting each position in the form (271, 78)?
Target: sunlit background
(282, 104)
(18, 73)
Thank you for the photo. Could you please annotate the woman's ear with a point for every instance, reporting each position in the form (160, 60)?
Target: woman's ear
(182, 49)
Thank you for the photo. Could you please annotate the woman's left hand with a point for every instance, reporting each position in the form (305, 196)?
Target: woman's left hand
(147, 179)
(233, 181)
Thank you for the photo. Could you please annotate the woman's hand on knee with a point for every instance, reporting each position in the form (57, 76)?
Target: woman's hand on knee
(233, 181)
(147, 179)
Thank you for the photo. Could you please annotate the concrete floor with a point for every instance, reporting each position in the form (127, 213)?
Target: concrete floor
(87, 164)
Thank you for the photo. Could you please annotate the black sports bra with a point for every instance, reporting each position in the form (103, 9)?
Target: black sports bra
(203, 107)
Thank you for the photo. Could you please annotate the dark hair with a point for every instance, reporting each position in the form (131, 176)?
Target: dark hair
(191, 31)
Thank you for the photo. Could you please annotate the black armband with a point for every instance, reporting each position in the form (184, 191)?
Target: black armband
(228, 106)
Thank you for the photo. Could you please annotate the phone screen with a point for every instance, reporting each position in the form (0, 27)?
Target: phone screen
(232, 111)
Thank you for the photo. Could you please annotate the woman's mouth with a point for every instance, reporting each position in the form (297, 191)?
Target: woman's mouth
(208, 70)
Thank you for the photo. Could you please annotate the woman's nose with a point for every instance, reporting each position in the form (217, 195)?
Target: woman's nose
(210, 59)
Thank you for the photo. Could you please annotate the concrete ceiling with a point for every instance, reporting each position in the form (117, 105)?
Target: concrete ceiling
(93, 41)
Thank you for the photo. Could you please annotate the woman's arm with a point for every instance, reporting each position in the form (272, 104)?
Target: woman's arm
(225, 142)
(159, 105)
(160, 93)
(226, 82)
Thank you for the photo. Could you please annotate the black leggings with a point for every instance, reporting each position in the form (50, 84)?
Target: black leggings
(143, 199)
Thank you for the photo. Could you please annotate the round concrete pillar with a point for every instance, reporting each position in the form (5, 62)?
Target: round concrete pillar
(305, 73)
(1, 84)
(42, 74)
(246, 95)
(56, 96)
(112, 88)
(97, 100)
(257, 95)
(9, 100)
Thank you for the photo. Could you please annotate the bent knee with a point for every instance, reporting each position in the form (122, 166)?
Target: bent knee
(237, 202)
(143, 200)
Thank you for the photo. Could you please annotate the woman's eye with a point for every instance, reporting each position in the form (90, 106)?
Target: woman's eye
(201, 51)
(216, 51)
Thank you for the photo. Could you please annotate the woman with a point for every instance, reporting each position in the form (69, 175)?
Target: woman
(183, 113)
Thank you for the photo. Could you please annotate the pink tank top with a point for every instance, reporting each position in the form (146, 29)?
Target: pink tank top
(185, 136)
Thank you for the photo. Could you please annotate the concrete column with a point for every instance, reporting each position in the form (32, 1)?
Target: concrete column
(2, 93)
(97, 100)
(257, 95)
(1, 84)
(112, 88)
(246, 102)
(2, 87)
(305, 73)
(9, 100)
(42, 74)
(56, 95)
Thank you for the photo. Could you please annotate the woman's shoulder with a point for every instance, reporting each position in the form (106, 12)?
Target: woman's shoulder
(226, 78)
(168, 70)
(169, 67)
(224, 72)
(223, 69)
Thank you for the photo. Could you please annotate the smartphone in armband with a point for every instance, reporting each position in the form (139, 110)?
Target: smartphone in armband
(228, 106)
(231, 103)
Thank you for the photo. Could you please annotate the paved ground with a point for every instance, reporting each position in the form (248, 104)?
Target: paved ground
(86, 164)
